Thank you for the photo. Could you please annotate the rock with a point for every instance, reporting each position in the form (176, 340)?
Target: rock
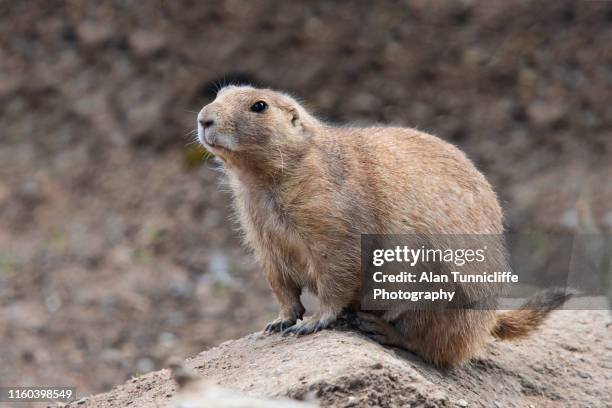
(145, 365)
(204, 395)
(569, 219)
(8, 85)
(545, 113)
(146, 43)
(346, 369)
(92, 33)
(143, 117)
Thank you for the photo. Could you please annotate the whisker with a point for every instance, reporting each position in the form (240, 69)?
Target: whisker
(282, 160)
(191, 143)
(191, 132)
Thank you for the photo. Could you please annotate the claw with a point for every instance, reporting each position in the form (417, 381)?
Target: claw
(351, 319)
(304, 329)
(311, 326)
(377, 329)
(288, 331)
(378, 338)
(278, 325)
(297, 329)
(368, 327)
(370, 324)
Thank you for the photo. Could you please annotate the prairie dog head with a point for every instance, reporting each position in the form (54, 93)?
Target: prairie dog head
(248, 125)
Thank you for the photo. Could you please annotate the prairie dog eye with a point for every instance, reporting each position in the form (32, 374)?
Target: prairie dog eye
(259, 107)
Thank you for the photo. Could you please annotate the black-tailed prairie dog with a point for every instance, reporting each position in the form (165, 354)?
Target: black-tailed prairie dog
(305, 191)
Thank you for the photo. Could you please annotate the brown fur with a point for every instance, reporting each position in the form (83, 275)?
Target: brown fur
(305, 191)
(519, 323)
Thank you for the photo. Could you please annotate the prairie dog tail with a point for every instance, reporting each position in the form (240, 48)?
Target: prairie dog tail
(521, 322)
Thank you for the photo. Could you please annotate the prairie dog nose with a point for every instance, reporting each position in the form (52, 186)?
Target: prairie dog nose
(206, 123)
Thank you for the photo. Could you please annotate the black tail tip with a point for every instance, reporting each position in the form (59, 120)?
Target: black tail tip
(550, 299)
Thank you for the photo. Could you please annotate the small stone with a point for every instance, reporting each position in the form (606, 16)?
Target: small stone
(92, 33)
(145, 364)
(462, 403)
(146, 43)
(545, 113)
(53, 303)
(8, 85)
(569, 219)
(82, 401)
(166, 339)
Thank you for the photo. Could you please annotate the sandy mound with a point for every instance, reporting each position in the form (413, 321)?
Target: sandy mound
(568, 363)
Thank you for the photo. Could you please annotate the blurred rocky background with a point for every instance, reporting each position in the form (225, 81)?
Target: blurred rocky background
(116, 247)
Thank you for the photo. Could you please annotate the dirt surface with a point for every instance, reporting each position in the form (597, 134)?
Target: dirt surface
(567, 364)
(116, 249)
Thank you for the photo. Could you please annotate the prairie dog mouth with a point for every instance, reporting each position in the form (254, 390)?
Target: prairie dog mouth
(211, 142)
(215, 147)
